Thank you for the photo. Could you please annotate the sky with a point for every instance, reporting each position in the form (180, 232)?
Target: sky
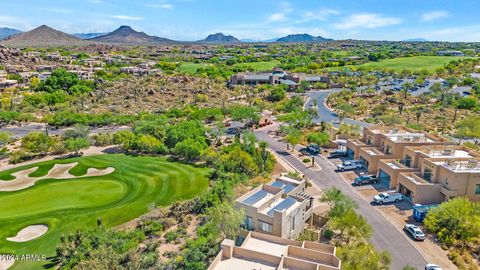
(452, 20)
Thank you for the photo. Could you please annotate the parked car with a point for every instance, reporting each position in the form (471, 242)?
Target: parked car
(338, 153)
(415, 232)
(314, 148)
(432, 266)
(387, 198)
(350, 165)
(365, 179)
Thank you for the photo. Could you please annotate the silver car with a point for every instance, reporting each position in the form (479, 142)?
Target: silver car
(415, 232)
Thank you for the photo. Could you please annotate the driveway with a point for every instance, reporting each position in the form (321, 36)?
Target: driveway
(385, 235)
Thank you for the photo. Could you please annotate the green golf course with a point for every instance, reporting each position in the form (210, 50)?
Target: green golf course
(137, 184)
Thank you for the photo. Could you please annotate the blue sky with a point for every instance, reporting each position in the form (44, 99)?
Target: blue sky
(453, 20)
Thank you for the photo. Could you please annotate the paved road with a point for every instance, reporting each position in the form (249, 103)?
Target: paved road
(22, 131)
(385, 235)
(324, 113)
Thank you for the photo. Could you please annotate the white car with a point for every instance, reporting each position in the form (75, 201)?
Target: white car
(349, 165)
(387, 198)
(432, 266)
(415, 232)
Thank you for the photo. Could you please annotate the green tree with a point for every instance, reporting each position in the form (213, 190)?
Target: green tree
(319, 138)
(37, 142)
(293, 137)
(457, 220)
(277, 93)
(189, 149)
(226, 219)
(124, 138)
(5, 138)
(76, 144)
(147, 143)
(345, 110)
(359, 256)
(469, 128)
(239, 161)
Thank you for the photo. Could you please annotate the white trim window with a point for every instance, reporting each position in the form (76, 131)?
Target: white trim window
(264, 226)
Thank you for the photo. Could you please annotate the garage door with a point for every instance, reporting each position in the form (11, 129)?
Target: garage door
(350, 153)
(384, 178)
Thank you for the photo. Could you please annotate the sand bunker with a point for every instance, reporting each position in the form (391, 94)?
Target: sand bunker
(59, 171)
(29, 233)
(4, 265)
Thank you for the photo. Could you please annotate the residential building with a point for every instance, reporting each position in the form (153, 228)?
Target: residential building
(4, 82)
(439, 173)
(280, 208)
(426, 169)
(450, 53)
(380, 142)
(267, 252)
(275, 77)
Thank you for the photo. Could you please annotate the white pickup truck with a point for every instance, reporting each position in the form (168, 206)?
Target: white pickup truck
(387, 198)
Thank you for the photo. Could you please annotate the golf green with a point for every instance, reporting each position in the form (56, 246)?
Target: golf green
(137, 185)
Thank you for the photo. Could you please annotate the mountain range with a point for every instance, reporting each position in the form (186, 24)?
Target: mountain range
(302, 38)
(88, 35)
(220, 38)
(42, 36)
(126, 35)
(6, 32)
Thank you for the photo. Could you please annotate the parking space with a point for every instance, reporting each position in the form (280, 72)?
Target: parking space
(399, 214)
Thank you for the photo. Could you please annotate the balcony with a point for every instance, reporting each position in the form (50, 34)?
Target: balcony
(371, 152)
(415, 179)
(449, 192)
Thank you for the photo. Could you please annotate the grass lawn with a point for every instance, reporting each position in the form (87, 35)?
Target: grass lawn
(137, 185)
(189, 67)
(260, 66)
(415, 63)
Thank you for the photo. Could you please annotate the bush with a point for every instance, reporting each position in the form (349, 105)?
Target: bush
(327, 233)
(306, 160)
(102, 139)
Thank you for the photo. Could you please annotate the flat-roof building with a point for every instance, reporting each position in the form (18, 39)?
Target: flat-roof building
(426, 169)
(275, 77)
(263, 251)
(280, 208)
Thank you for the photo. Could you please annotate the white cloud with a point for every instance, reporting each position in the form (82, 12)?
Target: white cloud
(160, 5)
(126, 17)
(319, 15)
(433, 15)
(366, 20)
(95, 1)
(277, 17)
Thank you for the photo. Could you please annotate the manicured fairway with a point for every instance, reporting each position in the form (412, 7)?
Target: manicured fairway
(415, 63)
(136, 185)
(260, 66)
(191, 68)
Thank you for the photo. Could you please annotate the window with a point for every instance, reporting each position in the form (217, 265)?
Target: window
(388, 150)
(369, 140)
(293, 223)
(248, 223)
(407, 161)
(427, 174)
(477, 189)
(264, 226)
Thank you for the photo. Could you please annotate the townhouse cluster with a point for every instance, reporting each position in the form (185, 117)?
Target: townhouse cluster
(425, 168)
(275, 213)
(85, 66)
